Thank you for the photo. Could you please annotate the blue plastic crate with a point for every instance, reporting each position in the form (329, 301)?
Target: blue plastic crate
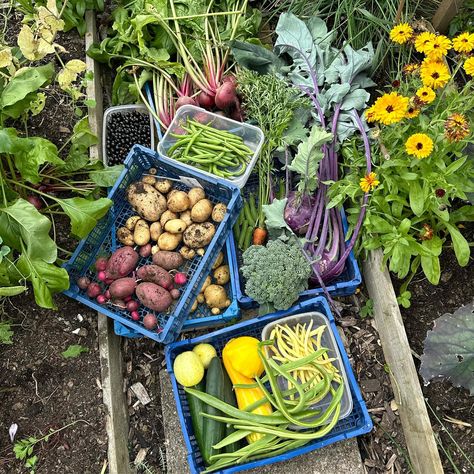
(202, 317)
(345, 284)
(102, 241)
(357, 423)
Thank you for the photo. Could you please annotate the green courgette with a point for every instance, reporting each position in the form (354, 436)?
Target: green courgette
(229, 397)
(214, 431)
(196, 407)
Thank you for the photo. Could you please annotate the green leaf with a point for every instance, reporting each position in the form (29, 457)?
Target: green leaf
(8, 139)
(11, 290)
(417, 199)
(84, 213)
(28, 80)
(6, 333)
(356, 62)
(455, 165)
(356, 99)
(255, 57)
(431, 268)
(274, 214)
(45, 277)
(24, 220)
(106, 177)
(33, 152)
(460, 244)
(74, 350)
(449, 349)
(463, 214)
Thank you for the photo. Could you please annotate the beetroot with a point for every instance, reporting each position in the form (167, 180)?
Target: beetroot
(226, 97)
(101, 264)
(231, 79)
(205, 100)
(298, 211)
(93, 290)
(180, 278)
(101, 299)
(83, 283)
(185, 100)
(35, 200)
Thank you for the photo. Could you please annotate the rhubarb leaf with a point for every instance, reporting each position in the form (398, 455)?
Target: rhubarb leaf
(449, 349)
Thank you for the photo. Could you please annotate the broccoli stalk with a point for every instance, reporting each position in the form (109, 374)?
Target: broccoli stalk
(276, 273)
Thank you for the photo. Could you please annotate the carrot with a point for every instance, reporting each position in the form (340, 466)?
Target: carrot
(259, 236)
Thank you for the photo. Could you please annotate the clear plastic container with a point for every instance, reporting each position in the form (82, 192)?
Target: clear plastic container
(328, 341)
(252, 136)
(124, 109)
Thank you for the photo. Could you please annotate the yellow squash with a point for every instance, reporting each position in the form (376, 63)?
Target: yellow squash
(239, 354)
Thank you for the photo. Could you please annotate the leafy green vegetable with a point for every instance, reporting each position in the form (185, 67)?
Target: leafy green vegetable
(274, 214)
(6, 333)
(74, 350)
(449, 349)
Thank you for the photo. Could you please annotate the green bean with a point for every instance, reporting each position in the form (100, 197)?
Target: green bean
(253, 207)
(232, 438)
(243, 233)
(248, 214)
(248, 238)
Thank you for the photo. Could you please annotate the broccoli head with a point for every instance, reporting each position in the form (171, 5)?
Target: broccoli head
(276, 273)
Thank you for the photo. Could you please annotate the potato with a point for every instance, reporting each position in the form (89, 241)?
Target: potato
(175, 226)
(145, 251)
(122, 287)
(207, 282)
(155, 230)
(168, 241)
(156, 275)
(222, 275)
(199, 235)
(152, 171)
(194, 306)
(141, 233)
(219, 260)
(186, 217)
(195, 195)
(215, 311)
(154, 296)
(121, 263)
(167, 216)
(218, 213)
(164, 186)
(125, 236)
(131, 221)
(187, 253)
(201, 252)
(168, 260)
(201, 211)
(178, 202)
(200, 298)
(146, 200)
(216, 297)
(151, 180)
(155, 249)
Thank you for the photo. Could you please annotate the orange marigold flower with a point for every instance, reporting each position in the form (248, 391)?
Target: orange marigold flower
(369, 182)
(427, 232)
(411, 68)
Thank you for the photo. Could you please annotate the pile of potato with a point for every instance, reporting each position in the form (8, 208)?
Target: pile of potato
(214, 294)
(169, 217)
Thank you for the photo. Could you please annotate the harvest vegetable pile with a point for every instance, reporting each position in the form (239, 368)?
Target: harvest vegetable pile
(254, 402)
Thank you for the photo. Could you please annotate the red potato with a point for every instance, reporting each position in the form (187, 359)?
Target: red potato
(150, 321)
(123, 287)
(121, 263)
(168, 260)
(145, 251)
(93, 290)
(154, 297)
(155, 274)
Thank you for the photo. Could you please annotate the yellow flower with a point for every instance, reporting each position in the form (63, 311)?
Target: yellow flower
(456, 127)
(438, 47)
(434, 74)
(426, 95)
(419, 145)
(390, 108)
(469, 66)
(369, 182)
(412, 112)
(411, 68)
(464, 43)
(370, 114)
(401, 33)
(422, 40)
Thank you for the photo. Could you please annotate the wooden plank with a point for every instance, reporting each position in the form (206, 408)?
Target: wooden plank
(416, 424)
(447, 10)
(94, 87)
(110, 349)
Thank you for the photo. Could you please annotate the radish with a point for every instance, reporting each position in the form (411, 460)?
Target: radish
(83, 283)
(101, 264)
(101, 299)
(127, 299)
(93, 290)
(149, 321)
(205, 100)
(132, 305)
(226, 96)
(180, 278)
(135, 316)
(175, 293)
(185, 100)
(101, 276)
(35, 200)
(107, 294)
